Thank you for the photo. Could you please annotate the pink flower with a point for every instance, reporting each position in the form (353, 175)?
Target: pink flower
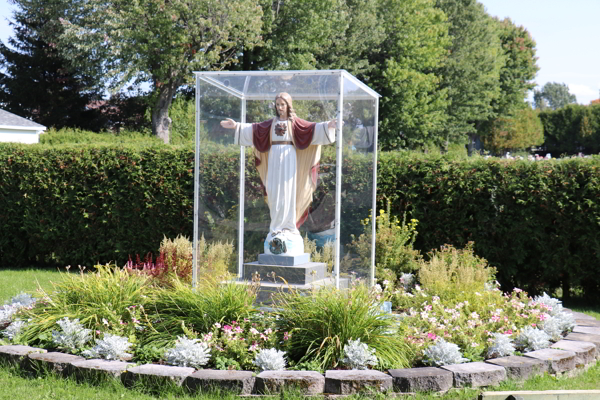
(268, 331)
(253, 347)
(517, 290)
(238, 329)
(534, 325)
(508, 332)
(227, 328)
(428, 307)
(543, 317)
(217, 325)
(286, 336)
(432, 336)
(254, 331)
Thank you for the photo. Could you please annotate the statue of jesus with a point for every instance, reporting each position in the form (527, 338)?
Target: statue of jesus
(287, 151)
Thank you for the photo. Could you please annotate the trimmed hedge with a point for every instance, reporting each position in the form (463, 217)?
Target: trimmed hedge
(81, 205)
(537, 222)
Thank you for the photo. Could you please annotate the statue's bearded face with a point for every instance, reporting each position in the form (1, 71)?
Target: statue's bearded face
(281, 107)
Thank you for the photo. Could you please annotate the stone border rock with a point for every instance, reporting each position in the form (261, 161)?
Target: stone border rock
(575, 351)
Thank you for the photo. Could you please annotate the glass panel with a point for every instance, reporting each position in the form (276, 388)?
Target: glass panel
(318, 225)
(315, 98)
(219, 168)
(358, 157)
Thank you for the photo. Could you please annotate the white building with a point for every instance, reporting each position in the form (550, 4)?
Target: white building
(18, 129)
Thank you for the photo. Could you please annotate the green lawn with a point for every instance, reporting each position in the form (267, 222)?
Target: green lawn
(15, 281)
(17, 386)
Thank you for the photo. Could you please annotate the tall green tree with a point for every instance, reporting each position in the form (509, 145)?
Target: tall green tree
(520, 130)
(413, 107)
(555, 94)
(38, 83)
(471, 74)
(158, 41)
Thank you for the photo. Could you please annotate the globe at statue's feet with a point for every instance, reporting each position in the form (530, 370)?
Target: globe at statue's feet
(284, 243)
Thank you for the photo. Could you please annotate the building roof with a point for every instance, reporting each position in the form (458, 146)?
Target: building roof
(10, 120)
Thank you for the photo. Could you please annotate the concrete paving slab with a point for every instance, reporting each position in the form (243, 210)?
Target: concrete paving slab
(558, 361)
(586, 337)
(308, 382)
(542, 395)
(57, 362)
(592, 330)
(239, 382)
(355, 381)
(428, 379)
(520, 368)
(17, 354)
(587, 322)
(476, 374)
(585, 351)
(98, 369)
(155, 375)
(579, 315)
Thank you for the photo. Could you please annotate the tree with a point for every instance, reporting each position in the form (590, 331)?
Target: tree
(471, 74)
(519, 70)
(413, 108)
(128, 42)
(517, 132)
(556, 94)
(38, 83)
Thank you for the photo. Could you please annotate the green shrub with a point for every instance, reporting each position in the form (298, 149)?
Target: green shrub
(393, 245)
(320, 324)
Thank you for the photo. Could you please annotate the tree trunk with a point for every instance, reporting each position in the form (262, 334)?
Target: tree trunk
(161, 123)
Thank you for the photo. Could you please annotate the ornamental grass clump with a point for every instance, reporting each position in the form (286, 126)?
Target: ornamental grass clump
(450, 272)
(443, 353)
(111, 347)
(188, 353)
(531, 339)
(72, 336)
(319, 324)
(181, 310)
(270, 360)
(501, 346)
(358, 355)
(99, 299)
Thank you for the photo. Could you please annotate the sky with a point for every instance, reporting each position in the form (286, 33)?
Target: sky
(565, 31)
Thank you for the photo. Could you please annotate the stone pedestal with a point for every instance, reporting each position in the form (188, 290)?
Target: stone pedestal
(284, 273)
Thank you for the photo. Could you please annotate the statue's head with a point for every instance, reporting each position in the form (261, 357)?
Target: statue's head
(288, 101)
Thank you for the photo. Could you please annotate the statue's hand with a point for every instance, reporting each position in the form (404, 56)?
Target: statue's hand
(228, 123)
(333, 124)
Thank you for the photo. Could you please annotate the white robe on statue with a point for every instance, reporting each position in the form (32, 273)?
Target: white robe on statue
(281, 180)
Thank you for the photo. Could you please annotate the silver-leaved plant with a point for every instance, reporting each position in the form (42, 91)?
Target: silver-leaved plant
(72, 337)
(188, 353)
(14, 329)
(112, 347)
(358, 355)
(443, 353)
(501, 346)
(270, 360)
(531, 339)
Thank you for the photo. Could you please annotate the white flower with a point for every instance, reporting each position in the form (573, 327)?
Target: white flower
(188, 353)
(358, 355)
(270, 360)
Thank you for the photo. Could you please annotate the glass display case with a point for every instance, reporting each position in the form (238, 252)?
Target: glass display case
(230, 203)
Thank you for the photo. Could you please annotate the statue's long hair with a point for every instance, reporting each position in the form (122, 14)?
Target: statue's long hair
(288, 100)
